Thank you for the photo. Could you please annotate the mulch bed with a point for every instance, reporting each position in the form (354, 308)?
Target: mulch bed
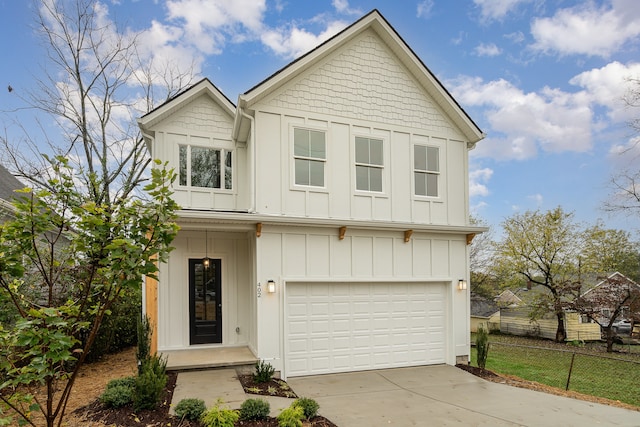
(273, 387)
(124, 417)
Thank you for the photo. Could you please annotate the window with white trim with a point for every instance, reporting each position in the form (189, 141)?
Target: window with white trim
(426, 170)
(369, 164)
(310, 156)
(205, 167)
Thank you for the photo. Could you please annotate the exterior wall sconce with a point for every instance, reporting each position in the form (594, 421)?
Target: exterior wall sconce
(271, 286)
(462, 285)
(205, 260)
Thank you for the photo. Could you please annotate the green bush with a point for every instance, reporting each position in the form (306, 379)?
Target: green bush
(264, 372)
(116, 397)
(122, 382)
(254, 409)
(309, 406)
(291, 417)
(190, 409)
(150, 383)
(220, 417)
(482, 346)
(143, 352)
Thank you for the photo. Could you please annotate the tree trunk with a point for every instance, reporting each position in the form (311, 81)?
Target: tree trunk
(609, 333)
(560, 332)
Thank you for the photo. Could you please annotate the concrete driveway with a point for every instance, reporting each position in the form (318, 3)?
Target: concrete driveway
(446, 396)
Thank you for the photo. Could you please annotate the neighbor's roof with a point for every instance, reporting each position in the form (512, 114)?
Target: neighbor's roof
(8, 184)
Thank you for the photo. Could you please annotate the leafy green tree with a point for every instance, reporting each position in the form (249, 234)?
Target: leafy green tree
(606, 251)
(65, 260)
(543, 248)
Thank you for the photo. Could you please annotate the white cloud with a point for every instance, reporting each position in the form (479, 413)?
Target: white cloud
(342, 6)
(496, 9)
(477, 182)
(550, 119)
(537, 199)
(424, 8)
(588, 29)
(489, 49)
(293, 41)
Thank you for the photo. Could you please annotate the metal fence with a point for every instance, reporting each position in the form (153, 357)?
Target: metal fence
(611, 377)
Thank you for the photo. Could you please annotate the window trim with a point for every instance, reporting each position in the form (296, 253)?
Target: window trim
(294, 157)
(426, 171)
(223, 167)
(383, 169)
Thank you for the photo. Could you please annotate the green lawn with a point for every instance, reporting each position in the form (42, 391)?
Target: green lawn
(593, 374)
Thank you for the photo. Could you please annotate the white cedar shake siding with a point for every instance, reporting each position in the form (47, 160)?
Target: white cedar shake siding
(363, 279)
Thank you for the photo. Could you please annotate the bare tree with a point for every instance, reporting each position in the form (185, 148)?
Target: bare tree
(96, 82)
(604, 303)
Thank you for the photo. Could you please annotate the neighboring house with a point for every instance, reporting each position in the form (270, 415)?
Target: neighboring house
(516, 321)
(484, 312)
(8, 185)
(606, 295)
(325, 217)
(508, 299)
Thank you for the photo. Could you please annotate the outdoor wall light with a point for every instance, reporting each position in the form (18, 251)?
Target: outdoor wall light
(462, 284)
(205, 260)
(271, 286)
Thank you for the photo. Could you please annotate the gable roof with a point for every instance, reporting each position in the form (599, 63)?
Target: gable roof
(8, 184)
(482, 307)
(173, 104)
(613, 278)
(376, 22)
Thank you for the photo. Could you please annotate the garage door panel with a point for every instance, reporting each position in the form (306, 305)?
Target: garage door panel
(358, 326)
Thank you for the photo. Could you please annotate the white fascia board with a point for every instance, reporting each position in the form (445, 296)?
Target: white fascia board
(190, 219)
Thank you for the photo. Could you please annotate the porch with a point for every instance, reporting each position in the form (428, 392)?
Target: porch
(205, 358)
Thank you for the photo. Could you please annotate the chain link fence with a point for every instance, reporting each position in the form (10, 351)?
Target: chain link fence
(609, 376)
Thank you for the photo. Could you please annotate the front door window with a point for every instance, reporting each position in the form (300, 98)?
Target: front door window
(205, 301)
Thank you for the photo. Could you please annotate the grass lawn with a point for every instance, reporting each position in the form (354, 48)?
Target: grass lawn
(594, 374)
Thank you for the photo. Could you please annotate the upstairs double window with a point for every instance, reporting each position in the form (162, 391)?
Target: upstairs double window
(310, 156)
(205, 167)
(369, 164)
(426, 170)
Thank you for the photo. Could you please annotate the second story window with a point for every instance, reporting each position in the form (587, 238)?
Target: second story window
(426, 169)
(205, 167)
(369, 164)
(309, 152)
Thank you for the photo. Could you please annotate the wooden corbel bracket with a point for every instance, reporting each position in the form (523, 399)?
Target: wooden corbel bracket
(470, 237)
(258, 229)
(343, 230)
(407, 235)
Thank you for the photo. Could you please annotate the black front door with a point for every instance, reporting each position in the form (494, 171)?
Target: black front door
(205, 303)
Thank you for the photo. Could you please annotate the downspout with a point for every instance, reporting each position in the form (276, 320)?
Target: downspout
(252, 162)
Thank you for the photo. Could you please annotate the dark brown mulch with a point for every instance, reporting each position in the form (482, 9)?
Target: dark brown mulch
(274, 387)
(124, 417)
(478, 372)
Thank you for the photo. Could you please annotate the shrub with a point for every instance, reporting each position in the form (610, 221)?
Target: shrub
(254, 409)
(309, 406)
(264, 372)
(143, 353)
(150, 383)
(482, 346)
(190, 409)
(220, 417)
(119, 392)
(291, 417)
(122, 382)
(116, 397)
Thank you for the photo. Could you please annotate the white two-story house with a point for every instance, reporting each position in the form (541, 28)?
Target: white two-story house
(324, 218)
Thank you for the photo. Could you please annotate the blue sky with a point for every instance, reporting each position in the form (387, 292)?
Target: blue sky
(545, 80)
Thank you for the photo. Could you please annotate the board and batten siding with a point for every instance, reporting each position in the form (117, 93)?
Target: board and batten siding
(361, 90)
(308, 254)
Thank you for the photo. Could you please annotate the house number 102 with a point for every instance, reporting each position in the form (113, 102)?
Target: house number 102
(259, 290)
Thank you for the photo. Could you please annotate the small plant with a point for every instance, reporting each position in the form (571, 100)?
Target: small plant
(220, 417)
(143, 352)
(482, 346)
(264, 372)
(576, 343)
(309, 406)
(119, 392)
(117, 397)
(254, 409)
(272, 390)
(283, 385)
(150, 383)
(291, 417)
(190, 409)
(254, 390)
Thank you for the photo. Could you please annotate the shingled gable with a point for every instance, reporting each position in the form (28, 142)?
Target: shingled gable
(376, 22)
(203, 87)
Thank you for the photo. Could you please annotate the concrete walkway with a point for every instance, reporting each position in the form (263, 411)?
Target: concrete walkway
(434, 395)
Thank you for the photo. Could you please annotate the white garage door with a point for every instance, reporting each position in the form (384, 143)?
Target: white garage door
(342, 327)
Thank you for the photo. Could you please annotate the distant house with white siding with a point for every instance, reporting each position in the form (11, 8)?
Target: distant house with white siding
(325, 215)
